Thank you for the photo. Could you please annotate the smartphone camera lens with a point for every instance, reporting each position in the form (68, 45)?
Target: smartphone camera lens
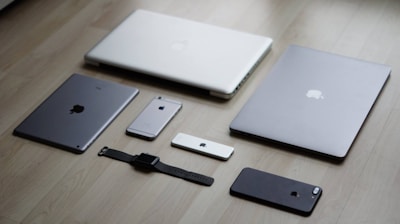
(316, 190)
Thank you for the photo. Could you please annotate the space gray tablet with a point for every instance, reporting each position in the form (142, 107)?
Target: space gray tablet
(75, 114)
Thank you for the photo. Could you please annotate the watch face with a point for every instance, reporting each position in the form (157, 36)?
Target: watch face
(146, 160)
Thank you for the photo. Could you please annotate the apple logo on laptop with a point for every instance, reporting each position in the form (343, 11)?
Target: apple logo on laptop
(179, 45)
(161, 107)
(203, 144)
(315, 94)
(77, 109)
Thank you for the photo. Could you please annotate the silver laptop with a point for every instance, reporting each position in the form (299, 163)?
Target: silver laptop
(76, 113)
(205, 56)
(313, 100)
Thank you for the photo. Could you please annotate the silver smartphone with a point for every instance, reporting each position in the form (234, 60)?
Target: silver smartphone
(153, 119)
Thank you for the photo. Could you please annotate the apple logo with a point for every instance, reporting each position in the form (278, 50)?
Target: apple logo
(161, 107)
(314, 93)
(179, 45)
(77, 109)
(203, 144)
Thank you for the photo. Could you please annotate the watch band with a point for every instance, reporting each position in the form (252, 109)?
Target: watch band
(158, 166)
(184, 174)
(117, 155)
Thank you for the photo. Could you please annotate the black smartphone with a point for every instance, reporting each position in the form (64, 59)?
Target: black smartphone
(155, 116)
(276, 191)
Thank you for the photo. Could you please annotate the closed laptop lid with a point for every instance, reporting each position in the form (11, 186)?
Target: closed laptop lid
(75, 114)
(313, 100)
(196, 54)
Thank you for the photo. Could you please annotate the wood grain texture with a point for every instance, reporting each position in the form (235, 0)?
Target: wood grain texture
(43, 42)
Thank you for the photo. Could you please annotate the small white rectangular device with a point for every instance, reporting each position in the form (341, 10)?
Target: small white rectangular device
(202, 146)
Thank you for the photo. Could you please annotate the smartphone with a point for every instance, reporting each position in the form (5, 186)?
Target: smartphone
(276, 191)
(153, 119)
(202, 146)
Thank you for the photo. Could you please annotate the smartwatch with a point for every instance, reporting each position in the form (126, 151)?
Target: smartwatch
(152, 163)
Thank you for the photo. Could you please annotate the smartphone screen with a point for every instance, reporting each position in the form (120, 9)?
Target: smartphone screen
(276, 191)
(155, 116)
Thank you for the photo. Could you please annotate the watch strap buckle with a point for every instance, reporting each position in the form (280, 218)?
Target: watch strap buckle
(103, 151)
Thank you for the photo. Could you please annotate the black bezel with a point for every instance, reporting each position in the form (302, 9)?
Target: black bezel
(145, 160)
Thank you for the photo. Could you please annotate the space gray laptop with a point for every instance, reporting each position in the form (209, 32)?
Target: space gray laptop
(75, 114)
(313, 100)
(208, 57)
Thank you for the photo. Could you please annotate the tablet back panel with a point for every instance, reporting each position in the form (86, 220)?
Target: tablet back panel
(75, 114)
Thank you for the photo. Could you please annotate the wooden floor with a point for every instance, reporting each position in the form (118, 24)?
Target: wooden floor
(43, 43)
